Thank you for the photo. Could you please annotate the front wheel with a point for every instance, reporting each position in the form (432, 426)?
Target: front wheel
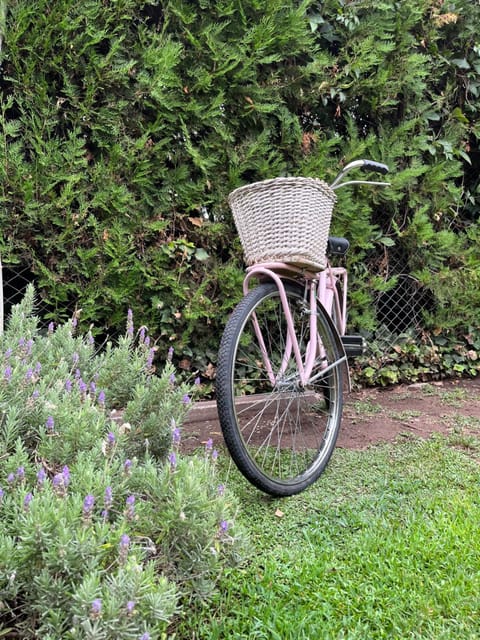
(280, 433)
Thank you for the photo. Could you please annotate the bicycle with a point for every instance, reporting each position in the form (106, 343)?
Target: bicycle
(282, 361)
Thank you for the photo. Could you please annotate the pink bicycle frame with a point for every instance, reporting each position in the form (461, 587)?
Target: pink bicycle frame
(322, 292)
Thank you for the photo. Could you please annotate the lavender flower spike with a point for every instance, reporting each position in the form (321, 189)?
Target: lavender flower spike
(108, 498)
(176, 436)
(223, 526)
(130, 508)
(27, 500)
(96, 609)
(101, 398)
(88, 505)
(41, 477)
(123, 548)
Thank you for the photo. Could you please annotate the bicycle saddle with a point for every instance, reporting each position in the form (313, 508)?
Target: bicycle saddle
(337, 246)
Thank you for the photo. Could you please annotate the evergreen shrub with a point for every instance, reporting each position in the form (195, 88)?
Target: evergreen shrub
(106, 531)
(125, 125)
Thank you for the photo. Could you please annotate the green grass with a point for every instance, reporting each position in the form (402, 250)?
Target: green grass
(385, 545)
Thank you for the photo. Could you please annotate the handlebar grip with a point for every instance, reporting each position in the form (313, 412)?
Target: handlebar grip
(378, 167)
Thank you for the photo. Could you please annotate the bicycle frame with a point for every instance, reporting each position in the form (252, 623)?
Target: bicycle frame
(322, 294)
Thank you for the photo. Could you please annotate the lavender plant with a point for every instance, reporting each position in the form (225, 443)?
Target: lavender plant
(105, 529)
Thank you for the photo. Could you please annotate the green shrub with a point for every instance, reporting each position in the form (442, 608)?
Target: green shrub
(105, 531)
(124, 125)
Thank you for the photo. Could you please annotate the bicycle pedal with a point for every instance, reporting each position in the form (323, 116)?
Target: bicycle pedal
(354, 345)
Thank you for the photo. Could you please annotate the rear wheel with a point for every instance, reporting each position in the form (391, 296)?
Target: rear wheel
(280, 434)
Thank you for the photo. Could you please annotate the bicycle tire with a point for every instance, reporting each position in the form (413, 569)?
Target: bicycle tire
(280, 437)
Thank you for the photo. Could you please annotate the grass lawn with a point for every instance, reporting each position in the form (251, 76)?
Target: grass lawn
(385, 545)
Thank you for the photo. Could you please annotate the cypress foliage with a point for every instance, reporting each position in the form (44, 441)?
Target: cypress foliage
(125, 124)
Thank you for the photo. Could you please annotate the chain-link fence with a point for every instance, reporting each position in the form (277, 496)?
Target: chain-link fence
(399, 310)
(13, 282)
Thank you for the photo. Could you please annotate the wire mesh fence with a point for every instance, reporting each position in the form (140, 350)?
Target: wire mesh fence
(14, 279)
(399, 310)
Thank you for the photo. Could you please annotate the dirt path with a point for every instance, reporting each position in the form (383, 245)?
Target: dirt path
(376, 415)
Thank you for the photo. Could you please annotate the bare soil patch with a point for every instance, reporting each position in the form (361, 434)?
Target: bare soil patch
(375, 415)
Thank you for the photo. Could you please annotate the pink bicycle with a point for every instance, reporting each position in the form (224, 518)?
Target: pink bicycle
(282, 363)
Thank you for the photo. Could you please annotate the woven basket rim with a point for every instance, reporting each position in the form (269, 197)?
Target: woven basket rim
(316, 183)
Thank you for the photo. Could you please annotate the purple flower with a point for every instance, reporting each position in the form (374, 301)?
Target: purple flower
(27, 500)
(176, 436)
(130, 606)
(29, 346)
(107, 498)
(41, 476)
(186, 399)
(123, 548)
(75, 359)
(29, 374)
(172, 458)
(82, 386)
(141, 336)
(224, 527)
(127, 467)
(78, 374)
(214, 455)
(91, 339)
(50, 424)
(66, 476)
(145, 636)
(68, 386)
(151, 355)
(172, 378)
(35, 394)
(221, 489)
(2, 493)
(93, 388)
(11, 478)
(74, 322)
(8, 353)
(209, 445)
(21, 473)
(7, 374)
(51, 328)
(88, 504)
(170, 354)
(147, 341)
(197, 381)
(130, 508)
(59, 485)
(96, 608)
(38, 369)
(101, 398)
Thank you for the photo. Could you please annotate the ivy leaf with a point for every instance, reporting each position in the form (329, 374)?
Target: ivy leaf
(387, 242)
(201, 254)
(461, 63)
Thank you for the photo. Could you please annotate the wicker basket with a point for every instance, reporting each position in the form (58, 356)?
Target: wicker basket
(284, 220)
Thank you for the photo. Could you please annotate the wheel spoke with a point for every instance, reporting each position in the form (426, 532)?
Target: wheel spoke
(280, 436)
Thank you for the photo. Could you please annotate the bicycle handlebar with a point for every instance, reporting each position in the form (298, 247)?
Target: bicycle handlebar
(371, 165)
(364, 165)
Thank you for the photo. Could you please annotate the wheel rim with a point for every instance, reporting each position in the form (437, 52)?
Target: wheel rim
(288, 431)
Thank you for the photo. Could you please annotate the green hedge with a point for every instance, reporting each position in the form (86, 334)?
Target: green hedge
(125, 124)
